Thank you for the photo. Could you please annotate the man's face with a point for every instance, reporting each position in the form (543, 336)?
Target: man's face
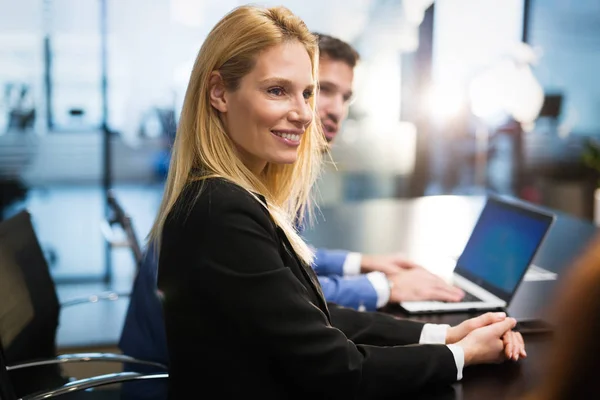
(335, 82)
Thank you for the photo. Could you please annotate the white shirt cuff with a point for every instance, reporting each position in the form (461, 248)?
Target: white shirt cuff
(436, 334)
(382, 288)
(459, 359)
(433, 334)
(352, 264)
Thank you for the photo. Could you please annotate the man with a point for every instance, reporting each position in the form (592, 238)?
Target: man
(353, 280)
(360, 281)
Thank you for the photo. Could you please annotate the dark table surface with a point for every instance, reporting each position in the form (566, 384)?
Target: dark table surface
(430, 229)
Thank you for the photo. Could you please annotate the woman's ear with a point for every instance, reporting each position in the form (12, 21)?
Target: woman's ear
(217, 92)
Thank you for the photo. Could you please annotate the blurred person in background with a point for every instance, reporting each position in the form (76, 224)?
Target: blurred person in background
(363, 281)
(570, 368)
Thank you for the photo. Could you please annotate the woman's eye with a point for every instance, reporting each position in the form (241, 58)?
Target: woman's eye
(277, 91)
(308, 94)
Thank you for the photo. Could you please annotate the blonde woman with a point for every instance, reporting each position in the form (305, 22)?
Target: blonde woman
(244, 312)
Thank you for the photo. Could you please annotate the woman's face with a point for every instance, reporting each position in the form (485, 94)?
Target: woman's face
(267, 115)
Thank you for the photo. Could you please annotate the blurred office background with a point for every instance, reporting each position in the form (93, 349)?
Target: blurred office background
(453, 97)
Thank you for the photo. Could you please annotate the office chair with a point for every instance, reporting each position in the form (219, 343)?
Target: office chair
(121, 218)
(29, 313)
(76, 387)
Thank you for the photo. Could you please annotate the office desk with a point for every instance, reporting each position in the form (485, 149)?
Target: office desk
(431, 228)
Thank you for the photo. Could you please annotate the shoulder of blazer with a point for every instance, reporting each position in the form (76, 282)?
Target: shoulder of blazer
(205, 199)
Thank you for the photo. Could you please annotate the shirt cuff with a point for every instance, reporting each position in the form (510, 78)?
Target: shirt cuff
(434, 334)
(459, 359)
(352, 264)
(382, 288)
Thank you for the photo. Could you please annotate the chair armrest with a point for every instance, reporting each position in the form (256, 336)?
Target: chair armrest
(95, 381)
(94, 298)
(110, 236)
(85, 357)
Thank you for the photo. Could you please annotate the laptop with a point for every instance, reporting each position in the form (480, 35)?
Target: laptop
(532, 306)
(499, 251)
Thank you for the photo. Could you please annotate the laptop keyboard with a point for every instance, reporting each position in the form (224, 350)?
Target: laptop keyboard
(469, 298)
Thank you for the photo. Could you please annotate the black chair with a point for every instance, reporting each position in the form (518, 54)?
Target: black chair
(29, 316)
(76, 389)
(120, 218)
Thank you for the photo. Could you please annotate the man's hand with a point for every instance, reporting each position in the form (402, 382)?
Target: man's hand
(458, 332)
(487, 344)
(388, 264)
(418, 284)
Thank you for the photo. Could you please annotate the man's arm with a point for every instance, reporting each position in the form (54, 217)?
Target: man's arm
(366, 292)
(330, 262)
(410, 281)
(339, 273)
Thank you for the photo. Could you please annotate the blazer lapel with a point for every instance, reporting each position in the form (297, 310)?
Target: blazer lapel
(307, 272)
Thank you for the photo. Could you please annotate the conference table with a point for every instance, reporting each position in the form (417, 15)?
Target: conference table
(431, 230)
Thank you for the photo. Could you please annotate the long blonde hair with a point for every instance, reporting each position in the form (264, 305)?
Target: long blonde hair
(201, 143)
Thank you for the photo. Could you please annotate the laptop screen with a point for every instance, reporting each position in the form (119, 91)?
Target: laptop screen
(502, 246)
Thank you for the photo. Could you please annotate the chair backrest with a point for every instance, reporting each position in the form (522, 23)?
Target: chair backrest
(7, 391)
(120, 217)
(29, 307)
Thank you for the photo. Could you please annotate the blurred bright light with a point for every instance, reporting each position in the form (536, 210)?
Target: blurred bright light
(486, 92)
(470, 34)
(509, 88)
(380, 88)
(414, 10)
(525, 101)
(444, 102)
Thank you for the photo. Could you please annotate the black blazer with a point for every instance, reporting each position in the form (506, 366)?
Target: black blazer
(245, 318)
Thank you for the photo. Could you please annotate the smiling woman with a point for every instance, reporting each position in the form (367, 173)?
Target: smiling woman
(268, 113)
(240, 298)
(248, 116)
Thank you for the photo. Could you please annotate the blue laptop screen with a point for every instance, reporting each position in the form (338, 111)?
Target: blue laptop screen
(502, 245)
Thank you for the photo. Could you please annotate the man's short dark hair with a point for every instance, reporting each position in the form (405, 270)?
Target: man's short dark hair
(336, 49)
